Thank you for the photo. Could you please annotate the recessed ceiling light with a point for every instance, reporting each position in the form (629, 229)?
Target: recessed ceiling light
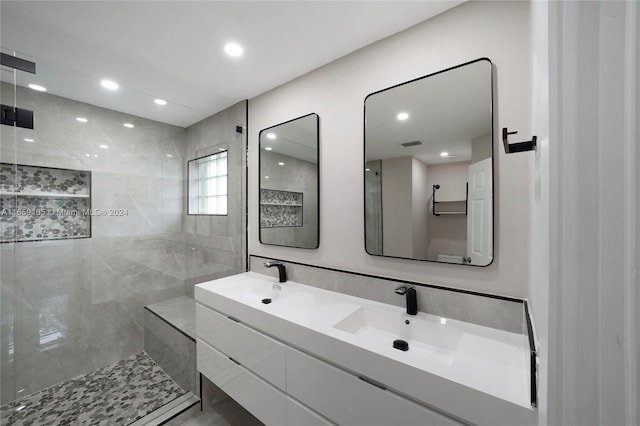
(29, 140)
(160, 101)
(82, 119)
(95, 155)
(281, 164)
(402, 116)
(103, 146)
(267, 148)
(87, 155)
(444, 154)
(233, 49)
(367, 170)
(110, 85)
(37, 87)
(266, 177)
(128, 125)
(169, 156)
(271, 135)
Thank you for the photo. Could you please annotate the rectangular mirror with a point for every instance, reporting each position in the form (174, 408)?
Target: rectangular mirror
(289, 184)
(428, 168)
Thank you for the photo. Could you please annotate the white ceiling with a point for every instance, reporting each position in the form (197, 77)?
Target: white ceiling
(174, 49)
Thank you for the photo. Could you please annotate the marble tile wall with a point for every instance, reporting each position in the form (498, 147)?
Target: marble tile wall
(215, 244)
(478, 309)
(70, 306)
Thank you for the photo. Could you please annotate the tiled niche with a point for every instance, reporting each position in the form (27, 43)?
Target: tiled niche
(44, 203)
(280, 208)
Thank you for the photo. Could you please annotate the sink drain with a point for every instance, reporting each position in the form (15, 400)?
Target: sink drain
(266, 301)
(401, 345)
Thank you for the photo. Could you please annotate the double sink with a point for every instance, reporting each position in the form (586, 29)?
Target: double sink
(466, 369)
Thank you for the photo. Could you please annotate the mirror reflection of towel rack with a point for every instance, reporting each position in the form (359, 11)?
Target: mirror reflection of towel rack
(452, 204)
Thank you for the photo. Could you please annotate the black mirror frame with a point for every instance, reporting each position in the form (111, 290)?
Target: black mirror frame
(317, 180)
(493, 162)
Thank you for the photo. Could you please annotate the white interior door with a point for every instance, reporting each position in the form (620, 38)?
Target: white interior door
(480, 214)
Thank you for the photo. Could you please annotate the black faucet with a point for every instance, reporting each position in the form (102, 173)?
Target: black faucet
(282, 272)
(412, 299)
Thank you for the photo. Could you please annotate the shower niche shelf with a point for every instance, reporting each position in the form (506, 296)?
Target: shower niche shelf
(44, 203)
(280, 208)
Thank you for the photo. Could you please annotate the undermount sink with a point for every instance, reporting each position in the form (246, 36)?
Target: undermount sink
(427, 335)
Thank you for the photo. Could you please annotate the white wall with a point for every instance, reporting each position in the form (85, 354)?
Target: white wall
(397, 214)
(589, 176)
(538, 292)
(497, 30)
(452, 179)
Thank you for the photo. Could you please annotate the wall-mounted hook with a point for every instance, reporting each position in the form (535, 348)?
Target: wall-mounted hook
(510, 148)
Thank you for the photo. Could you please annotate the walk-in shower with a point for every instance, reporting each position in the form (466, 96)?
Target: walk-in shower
(93, 227)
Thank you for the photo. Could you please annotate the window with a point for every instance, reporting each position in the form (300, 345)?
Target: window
(208, 184)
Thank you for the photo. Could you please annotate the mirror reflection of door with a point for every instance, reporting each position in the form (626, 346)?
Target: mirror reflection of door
(428, 168)
(480, 215)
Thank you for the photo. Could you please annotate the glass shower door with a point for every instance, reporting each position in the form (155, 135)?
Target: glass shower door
(8, 148)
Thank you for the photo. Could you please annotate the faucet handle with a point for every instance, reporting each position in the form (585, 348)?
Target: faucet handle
(401, 290)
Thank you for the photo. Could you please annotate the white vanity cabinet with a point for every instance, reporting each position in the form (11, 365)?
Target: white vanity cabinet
(250, 368)
(282, 386)
(262, 355)
(353, 400)
(260, 398)
(298, 355)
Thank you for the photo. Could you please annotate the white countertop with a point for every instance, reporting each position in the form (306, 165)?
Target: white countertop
(478, 374)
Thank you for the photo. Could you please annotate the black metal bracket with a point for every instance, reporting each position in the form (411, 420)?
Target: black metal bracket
(14, 116)
(17, 63)
(510, 148)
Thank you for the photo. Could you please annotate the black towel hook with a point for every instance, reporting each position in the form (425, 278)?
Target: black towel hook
(510, 148)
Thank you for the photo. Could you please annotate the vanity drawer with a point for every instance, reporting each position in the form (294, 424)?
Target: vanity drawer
(259, 398)
(255, 351)
(299, 415)
(348, 400)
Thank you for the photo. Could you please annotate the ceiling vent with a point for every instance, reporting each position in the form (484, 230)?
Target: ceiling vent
(408, 144)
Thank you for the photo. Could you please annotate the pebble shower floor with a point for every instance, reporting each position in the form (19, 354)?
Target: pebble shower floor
(117, 394)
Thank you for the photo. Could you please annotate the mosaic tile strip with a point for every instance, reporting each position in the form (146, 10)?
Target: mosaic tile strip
(45, 180)
(39, 218)
(270, 196)
(280, 216)
(280, 208)
(117, 394)
(40, 203)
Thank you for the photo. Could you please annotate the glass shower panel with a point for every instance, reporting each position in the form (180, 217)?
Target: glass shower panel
(103, 232)
(8, 140)
(73, 302)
